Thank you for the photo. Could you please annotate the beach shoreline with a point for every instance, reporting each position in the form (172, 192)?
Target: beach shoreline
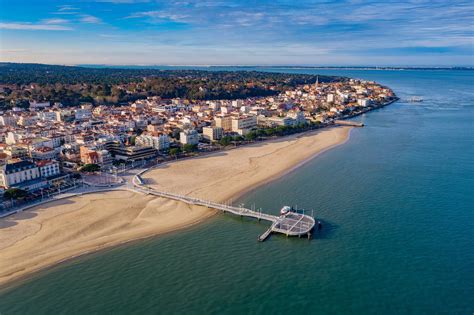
(15, 281)
(251, 170)
(239, 194)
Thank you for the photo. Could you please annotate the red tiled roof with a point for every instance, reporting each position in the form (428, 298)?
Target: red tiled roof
(44, 149)
(44, 162)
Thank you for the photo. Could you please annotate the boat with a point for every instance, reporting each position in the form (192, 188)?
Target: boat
(285, 210)
(415, 99)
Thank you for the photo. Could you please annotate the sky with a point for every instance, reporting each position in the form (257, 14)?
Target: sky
(215, 32)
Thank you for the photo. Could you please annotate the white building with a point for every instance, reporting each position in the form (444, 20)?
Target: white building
(330, 98)
(105, 159)
(189, 136)
(35, 104)
(242, 125)
(13, 137)
(277, 121)
(297, 117)
(47, 116)
(224, 122)
(17, 173)
(363, 102)
(215, 106)
(44, 153)
(237, 103)
(161, 142)
(6, 120)
(83, 114)
(212, 133)
(167, 108)
(48, 168)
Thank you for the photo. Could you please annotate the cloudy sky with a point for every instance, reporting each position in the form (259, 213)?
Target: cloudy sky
(278, 32)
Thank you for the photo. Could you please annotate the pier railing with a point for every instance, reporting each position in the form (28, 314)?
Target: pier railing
(294, 224)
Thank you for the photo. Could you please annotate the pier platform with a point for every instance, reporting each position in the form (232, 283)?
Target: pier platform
(290, 224)
(348, 123)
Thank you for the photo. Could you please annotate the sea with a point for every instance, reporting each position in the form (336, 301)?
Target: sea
(397, 207)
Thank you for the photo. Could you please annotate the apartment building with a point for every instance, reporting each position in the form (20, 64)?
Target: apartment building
(243, 124)
(189, 136)
(48, 168)
(161, 142)
(224, 122)
(17, 173)
(212, 133)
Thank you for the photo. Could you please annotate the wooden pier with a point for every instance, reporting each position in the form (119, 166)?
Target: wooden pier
(291, 224)
(265, 235)
(348, 123)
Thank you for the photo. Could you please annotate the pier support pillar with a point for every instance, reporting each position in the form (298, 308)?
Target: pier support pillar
(309, 235)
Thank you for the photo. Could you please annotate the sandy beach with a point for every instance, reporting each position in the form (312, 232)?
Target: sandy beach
(51, 233)
(229, 174)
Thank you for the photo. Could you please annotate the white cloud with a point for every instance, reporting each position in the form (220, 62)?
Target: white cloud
(110, 35)
(13, 50)
(63, 8)
(34, 27)
(90, 19)
(54, 21)
(66, 10)
(158, 15)
(123, 1)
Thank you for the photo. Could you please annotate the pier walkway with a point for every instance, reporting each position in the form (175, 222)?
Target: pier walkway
(291, 224)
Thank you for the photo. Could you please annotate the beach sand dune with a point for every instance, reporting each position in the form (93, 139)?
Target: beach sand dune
(56, 231)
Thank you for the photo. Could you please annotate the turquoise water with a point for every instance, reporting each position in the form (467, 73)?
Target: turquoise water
(397, 206)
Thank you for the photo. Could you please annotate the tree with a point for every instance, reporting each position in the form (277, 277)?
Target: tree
(15, 193)
(71, 85)
(90, 168)
(237, 138)
(269, 132)
(260, 132)
(251, 136)
(189, 147)
(175, 151)
(225, 141)
(133, 140)
(301, 126)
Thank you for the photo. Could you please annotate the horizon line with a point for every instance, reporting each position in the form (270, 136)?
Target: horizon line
(243, 65)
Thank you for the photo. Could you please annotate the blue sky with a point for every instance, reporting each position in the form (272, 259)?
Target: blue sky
(278, 32)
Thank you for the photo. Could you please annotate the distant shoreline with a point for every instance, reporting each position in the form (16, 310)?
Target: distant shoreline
(155, 66)
(272, 67)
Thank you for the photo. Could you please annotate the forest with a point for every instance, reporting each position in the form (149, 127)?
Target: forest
(72, 85)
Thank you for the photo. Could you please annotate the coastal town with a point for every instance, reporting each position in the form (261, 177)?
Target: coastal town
(48, 148)
(236, 157)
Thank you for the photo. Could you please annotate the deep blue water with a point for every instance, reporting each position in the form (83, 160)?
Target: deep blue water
(396, 201)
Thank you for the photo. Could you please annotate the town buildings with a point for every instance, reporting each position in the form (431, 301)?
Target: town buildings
(42, 142)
